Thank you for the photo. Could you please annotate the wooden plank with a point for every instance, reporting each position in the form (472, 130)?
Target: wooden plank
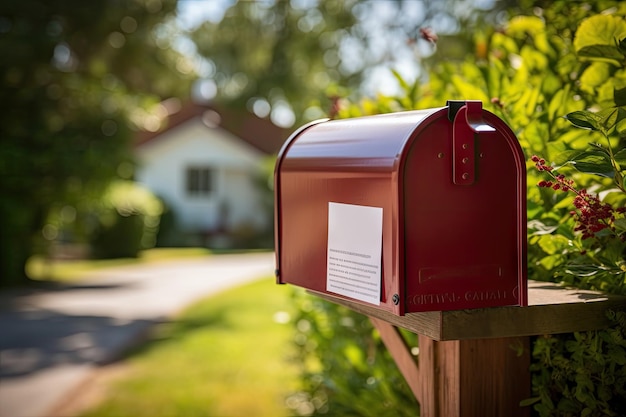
(552, 309)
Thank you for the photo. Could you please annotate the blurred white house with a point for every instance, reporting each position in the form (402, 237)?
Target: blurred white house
(205, 165)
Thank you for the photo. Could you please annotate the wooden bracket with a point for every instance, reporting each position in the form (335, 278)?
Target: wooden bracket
(463, 378)
(401, 354)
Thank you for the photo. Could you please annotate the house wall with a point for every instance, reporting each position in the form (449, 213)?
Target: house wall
(234, 200)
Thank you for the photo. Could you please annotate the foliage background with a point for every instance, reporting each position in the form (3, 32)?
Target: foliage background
(533, 71)
(77, 79)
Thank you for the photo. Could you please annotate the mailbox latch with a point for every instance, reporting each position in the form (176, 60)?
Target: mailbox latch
(467, 123)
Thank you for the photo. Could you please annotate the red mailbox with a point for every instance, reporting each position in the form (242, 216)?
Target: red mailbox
(413, 211)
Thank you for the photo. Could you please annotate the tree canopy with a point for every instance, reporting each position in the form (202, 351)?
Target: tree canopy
(275, 56)
(293, 57)
(76, 79)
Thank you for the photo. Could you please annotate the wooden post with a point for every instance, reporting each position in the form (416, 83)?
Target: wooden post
(401, 354)
(464, 378)
(474, 378)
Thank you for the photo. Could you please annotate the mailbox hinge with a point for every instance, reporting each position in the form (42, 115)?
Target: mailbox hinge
(467, 123)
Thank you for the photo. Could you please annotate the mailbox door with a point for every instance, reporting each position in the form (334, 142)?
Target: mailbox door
(465, 244)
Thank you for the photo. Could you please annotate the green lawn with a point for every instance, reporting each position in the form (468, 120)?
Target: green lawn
(225, 356)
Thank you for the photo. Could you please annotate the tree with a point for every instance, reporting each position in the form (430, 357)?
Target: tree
(76, 79)
(278, 56)
(295, 57)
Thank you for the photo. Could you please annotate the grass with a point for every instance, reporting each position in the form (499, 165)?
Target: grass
(225, 356)
(40, 268)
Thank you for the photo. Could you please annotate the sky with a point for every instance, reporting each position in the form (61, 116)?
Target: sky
(191, 13)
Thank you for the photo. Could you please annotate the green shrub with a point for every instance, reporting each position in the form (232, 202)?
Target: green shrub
(581, 374)
(167, 235)
(344, 366)
(127, 219)
(540, 73)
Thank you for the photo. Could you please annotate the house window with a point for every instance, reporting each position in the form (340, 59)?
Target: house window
(200, 181)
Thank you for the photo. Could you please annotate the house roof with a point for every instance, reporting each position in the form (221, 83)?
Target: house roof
(262, 134)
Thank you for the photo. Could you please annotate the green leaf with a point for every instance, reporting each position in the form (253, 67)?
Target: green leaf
(603, 121)
(622, 46)
(558, 102)
(553, 244)
(551, 261)
(620, 225)
(608, 119)
(594, 162)
(598, 31)
(564, 158)
(401, 80)
(468, 90)
(619, 96)
(529, 401)
(581, 270)
(521, 25)
(414, 91)
(601, 53)
(618, 355)
(620, 120)
(599, 147)
(584, 119)
(594, 76)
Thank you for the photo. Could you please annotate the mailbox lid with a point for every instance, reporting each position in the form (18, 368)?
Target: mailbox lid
(357, 144)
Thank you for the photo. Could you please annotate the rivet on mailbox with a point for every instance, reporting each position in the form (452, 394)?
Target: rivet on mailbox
(412, 211)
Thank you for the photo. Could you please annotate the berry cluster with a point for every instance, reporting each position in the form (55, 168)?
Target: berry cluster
(591, 215)
(559, 183)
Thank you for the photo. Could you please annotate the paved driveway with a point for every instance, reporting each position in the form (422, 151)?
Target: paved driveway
(51, 340)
